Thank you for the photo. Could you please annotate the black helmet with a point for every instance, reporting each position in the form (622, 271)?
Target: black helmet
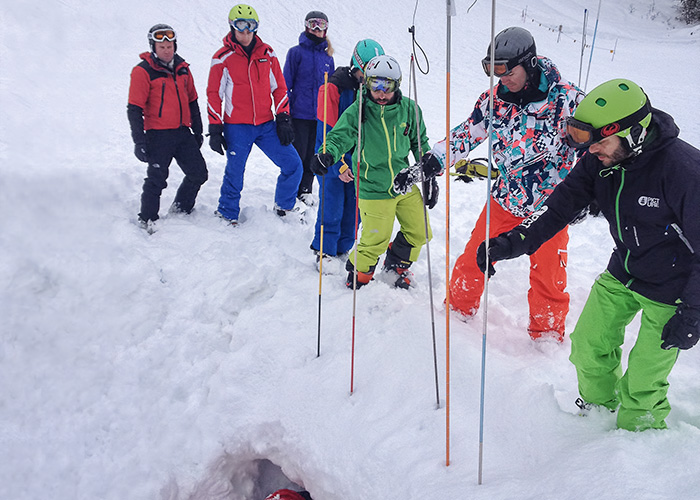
(514, 46)
(161, 32)
(316, 14)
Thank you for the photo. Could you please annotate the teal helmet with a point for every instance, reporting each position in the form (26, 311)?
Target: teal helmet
(363, 52)
(617, 107)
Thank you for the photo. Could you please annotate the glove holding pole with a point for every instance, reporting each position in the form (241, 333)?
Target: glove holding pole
(505, 246)
(320, 163)
(426, 169)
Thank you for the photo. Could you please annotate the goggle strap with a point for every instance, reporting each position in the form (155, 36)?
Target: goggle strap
(626, 122)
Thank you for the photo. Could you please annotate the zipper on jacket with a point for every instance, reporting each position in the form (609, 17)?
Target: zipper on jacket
(177, 92)
(388, 145)
(162, 100)
(617, 216)
(252, 91)
(682, 237)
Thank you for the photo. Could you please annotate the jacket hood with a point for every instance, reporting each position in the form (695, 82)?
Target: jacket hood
(661, 132)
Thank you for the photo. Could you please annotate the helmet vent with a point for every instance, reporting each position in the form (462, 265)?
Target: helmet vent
(623, 86)
(601, 102)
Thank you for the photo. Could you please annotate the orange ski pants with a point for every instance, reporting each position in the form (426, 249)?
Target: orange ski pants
(548, 301)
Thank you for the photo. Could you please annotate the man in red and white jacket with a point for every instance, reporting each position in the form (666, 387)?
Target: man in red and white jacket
(165, 124)
(245, 85)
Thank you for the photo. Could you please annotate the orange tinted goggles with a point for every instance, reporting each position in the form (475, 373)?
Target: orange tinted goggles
(500, 68)
(162, 35)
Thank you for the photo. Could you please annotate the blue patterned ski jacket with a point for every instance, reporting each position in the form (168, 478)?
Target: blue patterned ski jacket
(529, 141)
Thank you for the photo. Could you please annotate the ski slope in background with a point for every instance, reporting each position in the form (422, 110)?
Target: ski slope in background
(183, 365)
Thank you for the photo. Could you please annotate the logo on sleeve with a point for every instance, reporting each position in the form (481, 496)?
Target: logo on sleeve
(648, 201)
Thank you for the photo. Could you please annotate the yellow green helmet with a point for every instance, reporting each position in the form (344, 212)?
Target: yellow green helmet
(617, 107)
(243, 11)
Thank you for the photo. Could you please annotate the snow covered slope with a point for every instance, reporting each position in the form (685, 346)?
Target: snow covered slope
(183, 365)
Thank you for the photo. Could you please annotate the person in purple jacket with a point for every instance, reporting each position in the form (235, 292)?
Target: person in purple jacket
(304, 68)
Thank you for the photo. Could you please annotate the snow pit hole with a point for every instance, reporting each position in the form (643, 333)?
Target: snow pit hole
(240, 477)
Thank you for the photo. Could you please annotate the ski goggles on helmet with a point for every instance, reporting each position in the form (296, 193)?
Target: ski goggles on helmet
(163, 35)
(582, 134)
(500, 68)
(376, 83)
(316, 23)
(244, 24)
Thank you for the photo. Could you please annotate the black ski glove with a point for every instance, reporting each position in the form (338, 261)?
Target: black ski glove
(427, 168)
(431, 192)
(217, 141)
(682, 329)
(141, 151)
(505, 246)
(285, 130)
(431, 166)
(320, 163)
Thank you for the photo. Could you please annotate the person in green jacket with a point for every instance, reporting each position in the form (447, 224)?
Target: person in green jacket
(391, 128)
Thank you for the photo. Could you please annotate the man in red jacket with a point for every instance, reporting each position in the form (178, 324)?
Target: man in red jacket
(165, 124)
(244, 79)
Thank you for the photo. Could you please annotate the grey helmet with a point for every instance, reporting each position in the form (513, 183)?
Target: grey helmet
(316, 14)
(515, 46)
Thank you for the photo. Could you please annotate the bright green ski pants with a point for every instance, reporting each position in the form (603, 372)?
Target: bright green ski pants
(378, 225)
(596, 351)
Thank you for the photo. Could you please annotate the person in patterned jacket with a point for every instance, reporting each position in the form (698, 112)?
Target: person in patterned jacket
(165, 124)
(531, 104)
(244, 80)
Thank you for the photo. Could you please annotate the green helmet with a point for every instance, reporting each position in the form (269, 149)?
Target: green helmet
(618, 107)
(243, 11)
(364, 51)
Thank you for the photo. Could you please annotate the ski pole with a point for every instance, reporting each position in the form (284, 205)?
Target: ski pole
(358, 151)
(486, 239)
(425, 221)
(451, 11)
(323, 193)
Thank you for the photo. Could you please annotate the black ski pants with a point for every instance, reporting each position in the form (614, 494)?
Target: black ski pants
(305, 144)
(163, 146)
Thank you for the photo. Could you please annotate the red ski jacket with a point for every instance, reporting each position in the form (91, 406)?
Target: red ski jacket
(241, 88)
(164, 96)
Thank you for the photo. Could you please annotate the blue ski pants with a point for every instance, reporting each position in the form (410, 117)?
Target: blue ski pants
(337, 208)
(240, 139)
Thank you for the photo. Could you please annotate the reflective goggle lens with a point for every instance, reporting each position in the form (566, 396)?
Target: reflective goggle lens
(245, 24)
(500, 69)
(161, 35)
(316, 24)
(581, 135)
(376, 83)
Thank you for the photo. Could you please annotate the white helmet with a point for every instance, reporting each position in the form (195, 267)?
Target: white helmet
(383, 67)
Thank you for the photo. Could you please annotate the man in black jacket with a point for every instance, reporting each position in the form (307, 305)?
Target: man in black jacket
(647, 183)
